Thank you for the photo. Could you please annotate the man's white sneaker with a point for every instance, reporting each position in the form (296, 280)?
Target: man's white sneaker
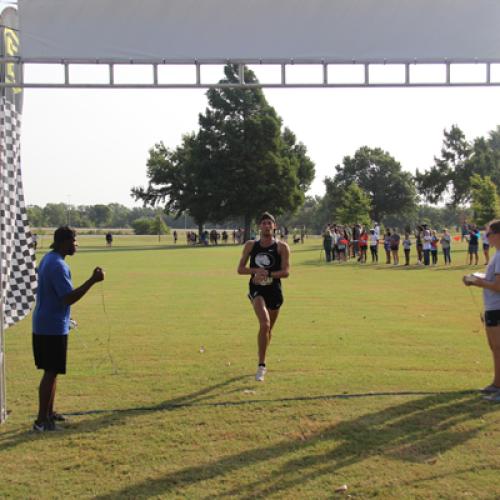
(261, 373)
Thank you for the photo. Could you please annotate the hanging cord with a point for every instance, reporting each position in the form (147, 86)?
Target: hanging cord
(476, 304)
(108, 326)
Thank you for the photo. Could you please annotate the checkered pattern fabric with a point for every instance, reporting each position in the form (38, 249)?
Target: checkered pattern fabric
(17, 255)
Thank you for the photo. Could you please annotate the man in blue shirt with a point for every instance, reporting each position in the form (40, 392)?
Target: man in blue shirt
(51, 320)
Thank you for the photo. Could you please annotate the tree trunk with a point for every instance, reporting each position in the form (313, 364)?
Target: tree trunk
(200, 230)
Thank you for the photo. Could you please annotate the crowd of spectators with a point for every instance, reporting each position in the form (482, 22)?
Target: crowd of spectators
(341, 242)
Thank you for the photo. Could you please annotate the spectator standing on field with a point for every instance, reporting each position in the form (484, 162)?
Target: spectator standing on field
(356, 232)
(387, 246)
(446, 246)
(51, 321)
(407, 248)
(373, 238)
(473, 238)
(434, 247)
(394, 243)
(426, 246)
(491, 298)
(109, 239)
(327, 243)
(419, 244)
(363, 246)
(465, 230)
(343, 244)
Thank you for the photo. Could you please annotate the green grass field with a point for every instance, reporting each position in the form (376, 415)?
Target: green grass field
(371, 383)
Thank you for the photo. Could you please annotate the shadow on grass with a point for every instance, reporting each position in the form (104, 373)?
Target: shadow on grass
(12, 439)
(415, 431)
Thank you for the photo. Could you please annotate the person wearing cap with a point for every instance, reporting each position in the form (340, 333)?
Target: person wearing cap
(269, 263)
(51, 320)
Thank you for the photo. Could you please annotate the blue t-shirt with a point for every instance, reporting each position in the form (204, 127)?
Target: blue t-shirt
(51, 315)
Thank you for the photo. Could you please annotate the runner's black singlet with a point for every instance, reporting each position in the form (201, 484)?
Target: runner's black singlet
(267, 258)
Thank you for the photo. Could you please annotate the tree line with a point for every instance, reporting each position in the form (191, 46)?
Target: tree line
(112, 215)
(242, 161)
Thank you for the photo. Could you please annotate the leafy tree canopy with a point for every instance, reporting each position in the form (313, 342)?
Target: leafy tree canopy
(380, 176)
(238, 164)
(449, 179)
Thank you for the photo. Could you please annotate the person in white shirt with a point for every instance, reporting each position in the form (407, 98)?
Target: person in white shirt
(491, 297)
(373, 241)
(446, 246)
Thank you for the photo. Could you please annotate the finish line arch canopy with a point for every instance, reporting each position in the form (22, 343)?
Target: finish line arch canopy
(262, 30)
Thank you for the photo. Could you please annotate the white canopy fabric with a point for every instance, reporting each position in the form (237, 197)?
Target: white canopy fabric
(243, 30)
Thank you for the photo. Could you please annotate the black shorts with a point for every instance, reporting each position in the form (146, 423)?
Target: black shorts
(50, 352)
(272, 295)
(486, 246)
(473, 249)
(492, 318)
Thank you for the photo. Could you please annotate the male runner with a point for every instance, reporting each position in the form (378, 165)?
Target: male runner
(269, 262)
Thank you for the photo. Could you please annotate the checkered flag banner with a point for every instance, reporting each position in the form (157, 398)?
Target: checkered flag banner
(17, 255)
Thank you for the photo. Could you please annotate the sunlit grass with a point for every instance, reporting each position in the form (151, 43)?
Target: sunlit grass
(371, 377)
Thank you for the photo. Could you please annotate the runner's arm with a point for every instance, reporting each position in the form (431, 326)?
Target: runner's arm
(242, 266)
(284, 272)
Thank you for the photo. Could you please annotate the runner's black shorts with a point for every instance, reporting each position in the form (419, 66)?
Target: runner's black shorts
(50, 352)
(492, 318)
(272, 295)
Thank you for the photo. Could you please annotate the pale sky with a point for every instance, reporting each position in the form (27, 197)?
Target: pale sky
(87, 147)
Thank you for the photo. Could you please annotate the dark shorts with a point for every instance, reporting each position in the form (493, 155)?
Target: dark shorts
(486, 246)
(50, 352)
(273, 297)
(492, 318)
(473, 249)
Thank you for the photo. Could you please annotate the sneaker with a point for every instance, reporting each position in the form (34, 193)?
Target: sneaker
(44, 426)
(490, 389)
(261, 372)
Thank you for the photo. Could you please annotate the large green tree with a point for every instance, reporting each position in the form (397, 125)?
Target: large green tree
(450, 178)
(238, 164)
(354, 207)
(260, 166)
(378, 174)
(485, 204)
(56, 214)
(184, 180)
